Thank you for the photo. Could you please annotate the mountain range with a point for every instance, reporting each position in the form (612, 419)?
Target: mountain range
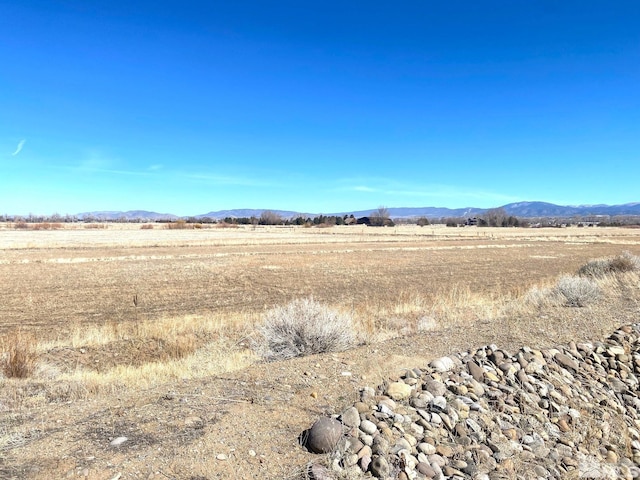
(519, 209)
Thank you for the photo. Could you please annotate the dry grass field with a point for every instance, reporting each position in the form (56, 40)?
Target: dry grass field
(146, 332)
(74, 277)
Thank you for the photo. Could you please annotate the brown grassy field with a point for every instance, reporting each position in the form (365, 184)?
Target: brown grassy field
(73, 277)
(122, 315)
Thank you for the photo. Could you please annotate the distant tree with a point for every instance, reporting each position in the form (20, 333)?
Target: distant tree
(270, 218)
(495, 217)
(319, 219)
(422, 221)
(452, 221)
(380, 217)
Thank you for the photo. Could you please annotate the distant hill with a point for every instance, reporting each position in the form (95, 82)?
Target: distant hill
(250, 212)
(542, 209)
(129, 215)
(429, 212)
(519, 209)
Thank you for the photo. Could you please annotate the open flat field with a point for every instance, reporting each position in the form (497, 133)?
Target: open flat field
(53, 281)
(147, 333)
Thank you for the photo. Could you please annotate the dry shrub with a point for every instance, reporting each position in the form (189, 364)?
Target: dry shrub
(47, 226)
(226, 225)
(179, 225)
(146, 226)
(595, 279)
(19, 355)
(577, 291)
(303, 327)
(626, 262)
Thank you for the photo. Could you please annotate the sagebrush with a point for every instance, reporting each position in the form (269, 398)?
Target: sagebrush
(578, 291)
(626, 262)
(303, 327)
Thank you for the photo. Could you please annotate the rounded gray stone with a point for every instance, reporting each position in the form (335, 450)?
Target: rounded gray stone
(350, 417)
(368, 427)
(435, 388)
(379, 467)
(324, 435)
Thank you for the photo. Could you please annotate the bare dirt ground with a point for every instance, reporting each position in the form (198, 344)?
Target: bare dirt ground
(244, 423)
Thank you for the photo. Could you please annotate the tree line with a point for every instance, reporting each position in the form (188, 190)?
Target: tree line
(496, 217)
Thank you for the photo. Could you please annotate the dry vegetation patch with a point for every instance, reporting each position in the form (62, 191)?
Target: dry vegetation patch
(303, 327)
(18, 354)
(200, 301)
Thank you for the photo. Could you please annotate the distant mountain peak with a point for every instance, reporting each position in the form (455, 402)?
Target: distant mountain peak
(525, 209)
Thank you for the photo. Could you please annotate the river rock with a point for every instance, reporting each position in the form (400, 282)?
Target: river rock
(324, 435)
(442, 364)
(399, 390)
(379, 467)
(490, 414)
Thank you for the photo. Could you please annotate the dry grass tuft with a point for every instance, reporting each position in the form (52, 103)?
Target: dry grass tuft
(303, 327)
(178, 347)
(19, 355)
(457, 306)
(539, 297)
(626, 262)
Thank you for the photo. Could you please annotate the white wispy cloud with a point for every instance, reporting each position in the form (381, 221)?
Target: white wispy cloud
(96, 161)
(363, 188)
(19, 147)
(228, 180)
(435, 192)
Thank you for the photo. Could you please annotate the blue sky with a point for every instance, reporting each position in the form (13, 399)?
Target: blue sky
(318, 106)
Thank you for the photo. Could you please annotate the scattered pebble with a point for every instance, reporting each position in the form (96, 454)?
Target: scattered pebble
(116, 442)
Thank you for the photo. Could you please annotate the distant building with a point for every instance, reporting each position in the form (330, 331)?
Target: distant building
(350, 220)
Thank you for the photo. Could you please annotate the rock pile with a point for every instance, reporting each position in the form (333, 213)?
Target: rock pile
(566, 412)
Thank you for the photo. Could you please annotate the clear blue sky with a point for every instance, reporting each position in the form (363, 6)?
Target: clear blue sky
(316, 106)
